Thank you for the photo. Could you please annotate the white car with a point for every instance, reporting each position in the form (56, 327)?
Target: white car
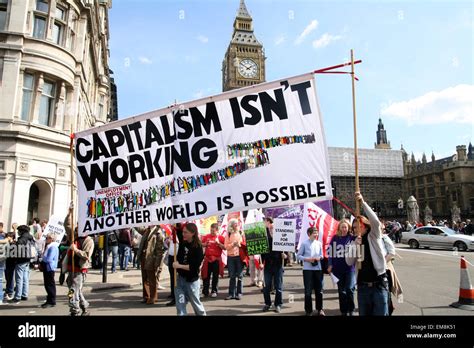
(437, 237)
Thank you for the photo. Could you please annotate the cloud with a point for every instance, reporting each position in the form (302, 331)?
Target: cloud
(325, 40)
(203, 39)
(145, 60)
(311, 27)
(279, 40)
(451, 105)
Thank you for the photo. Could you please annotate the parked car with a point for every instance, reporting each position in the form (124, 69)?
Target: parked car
(437, 237)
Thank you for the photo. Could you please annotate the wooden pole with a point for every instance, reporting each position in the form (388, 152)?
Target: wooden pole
(175, 239)
(71, 215)
(356, 155)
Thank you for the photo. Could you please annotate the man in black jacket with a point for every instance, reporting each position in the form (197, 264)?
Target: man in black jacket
(23, 247)
(273, 271)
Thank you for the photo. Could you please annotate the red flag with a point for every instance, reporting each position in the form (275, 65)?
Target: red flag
(314, 216)
(168, 229)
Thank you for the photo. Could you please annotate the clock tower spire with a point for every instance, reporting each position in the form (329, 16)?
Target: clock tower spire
(244, 61)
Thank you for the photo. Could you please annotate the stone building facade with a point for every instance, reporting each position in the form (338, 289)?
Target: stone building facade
(442, 184)
(54, 80)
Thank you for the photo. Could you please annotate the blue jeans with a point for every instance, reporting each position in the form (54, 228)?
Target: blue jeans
(346, 288)
(372, 300)
(235, 266)
(313, 280)
(124, 253)
(185, 291)
(114, 250)
(10, 276)
(22, 279)
(2, 269)
(273, 273)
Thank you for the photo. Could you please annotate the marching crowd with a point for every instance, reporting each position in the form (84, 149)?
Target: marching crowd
(366, 264)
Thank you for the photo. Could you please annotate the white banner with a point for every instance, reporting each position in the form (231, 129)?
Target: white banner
(256, 147)
(284, 235)
(55, 226)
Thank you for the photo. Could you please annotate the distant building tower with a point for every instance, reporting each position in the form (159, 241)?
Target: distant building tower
(113, 111)
(244, 62)
(382, 142)
(470, 153)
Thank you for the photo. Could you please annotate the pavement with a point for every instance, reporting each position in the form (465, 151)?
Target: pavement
(430, 280)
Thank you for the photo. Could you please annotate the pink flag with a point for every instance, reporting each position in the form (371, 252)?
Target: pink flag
(314, 216)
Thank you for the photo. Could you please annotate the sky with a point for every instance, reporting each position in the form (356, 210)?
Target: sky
(417, 72)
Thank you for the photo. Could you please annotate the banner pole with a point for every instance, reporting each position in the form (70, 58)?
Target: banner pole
(175, 255)
(356, 155)
(71, 215)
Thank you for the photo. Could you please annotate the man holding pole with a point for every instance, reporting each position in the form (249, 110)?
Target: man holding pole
(78, 260)
(372, 280)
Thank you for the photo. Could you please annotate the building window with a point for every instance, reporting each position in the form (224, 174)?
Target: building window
(431, 192)
(454, 196)
(42, 6)
(41, 14)
(47, 103)
(59, 26)
(58, 31)
(39, 30)
(452, 177)
(28, 84)
(3, 14)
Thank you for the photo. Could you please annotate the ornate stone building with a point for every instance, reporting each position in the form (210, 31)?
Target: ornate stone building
(442, 184)
(244, 62)
(54, 80)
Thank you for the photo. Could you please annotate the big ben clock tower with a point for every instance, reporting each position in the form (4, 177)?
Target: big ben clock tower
(244, 62)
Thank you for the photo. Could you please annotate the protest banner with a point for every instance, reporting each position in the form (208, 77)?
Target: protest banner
(55, 226)
(256, 238)
(295, 212)
(284, 235)
(255, 147)
(314, 216)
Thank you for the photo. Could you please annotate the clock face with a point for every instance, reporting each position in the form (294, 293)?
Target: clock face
(248, 69)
